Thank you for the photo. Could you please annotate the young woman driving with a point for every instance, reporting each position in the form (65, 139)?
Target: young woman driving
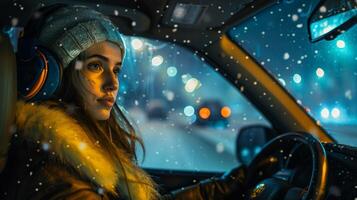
(78, 144)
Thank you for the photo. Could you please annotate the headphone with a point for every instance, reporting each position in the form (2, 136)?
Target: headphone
(39, 73)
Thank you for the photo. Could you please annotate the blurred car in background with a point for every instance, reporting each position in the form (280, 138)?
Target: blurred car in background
(157, 109)
(213, 113)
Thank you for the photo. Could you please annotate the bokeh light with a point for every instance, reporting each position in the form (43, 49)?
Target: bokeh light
(320, 72)
(157, 61)
(297, 78)
(188, 111)
(171, 71)
(204, 113)
(191, 85)
(191, 119)
(325, 113)
(257, 149)
(335, 113)
(340, 44)
(137, 44)
(226, 112)
(245, 152)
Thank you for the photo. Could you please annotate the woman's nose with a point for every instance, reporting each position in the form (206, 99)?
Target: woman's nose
(110, 88)
(111, 83)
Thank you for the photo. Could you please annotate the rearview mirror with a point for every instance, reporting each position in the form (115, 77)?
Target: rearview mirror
(331, 18)
(250, 141)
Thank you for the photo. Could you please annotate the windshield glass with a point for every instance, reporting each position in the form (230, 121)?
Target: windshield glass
(322, 76)
(187, 114)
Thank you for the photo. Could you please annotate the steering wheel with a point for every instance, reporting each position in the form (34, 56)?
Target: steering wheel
(271, 174)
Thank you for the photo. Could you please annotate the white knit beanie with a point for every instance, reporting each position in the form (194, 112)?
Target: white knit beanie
(71, 30)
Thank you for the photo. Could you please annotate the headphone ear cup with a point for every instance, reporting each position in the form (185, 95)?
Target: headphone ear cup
(38, 73)
(54, 76)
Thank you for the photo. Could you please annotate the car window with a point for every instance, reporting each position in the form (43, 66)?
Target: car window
(322, 76)
(186, 113)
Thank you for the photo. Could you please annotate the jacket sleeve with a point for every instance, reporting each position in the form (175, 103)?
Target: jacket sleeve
(229, 186)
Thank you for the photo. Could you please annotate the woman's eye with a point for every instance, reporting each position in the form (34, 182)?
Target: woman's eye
(117, 71)
(95, 67)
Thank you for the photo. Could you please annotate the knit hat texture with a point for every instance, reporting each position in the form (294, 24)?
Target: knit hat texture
(71, 30)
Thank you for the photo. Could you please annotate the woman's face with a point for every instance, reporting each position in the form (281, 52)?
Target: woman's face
(99, 75)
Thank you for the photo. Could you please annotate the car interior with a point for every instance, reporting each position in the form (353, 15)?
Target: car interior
(298, 158)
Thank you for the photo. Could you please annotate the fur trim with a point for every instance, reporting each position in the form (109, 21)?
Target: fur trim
(73, 146)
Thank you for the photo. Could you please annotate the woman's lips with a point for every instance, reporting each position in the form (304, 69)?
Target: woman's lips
(106, 101)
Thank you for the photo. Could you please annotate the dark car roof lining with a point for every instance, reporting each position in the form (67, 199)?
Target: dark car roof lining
(150, 17)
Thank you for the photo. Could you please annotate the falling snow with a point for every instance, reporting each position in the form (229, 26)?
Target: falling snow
(176, 98)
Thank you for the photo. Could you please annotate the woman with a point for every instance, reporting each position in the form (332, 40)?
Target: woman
(78, 144)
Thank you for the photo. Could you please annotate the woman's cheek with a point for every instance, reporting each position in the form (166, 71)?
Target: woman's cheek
(92, 84)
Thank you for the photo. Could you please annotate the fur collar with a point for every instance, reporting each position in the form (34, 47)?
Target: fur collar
(74, 146)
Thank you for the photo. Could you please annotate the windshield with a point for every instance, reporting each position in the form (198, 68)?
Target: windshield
(322, 76)
(174, 97)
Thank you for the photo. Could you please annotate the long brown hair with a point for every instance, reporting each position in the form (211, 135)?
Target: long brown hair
(116, 136)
